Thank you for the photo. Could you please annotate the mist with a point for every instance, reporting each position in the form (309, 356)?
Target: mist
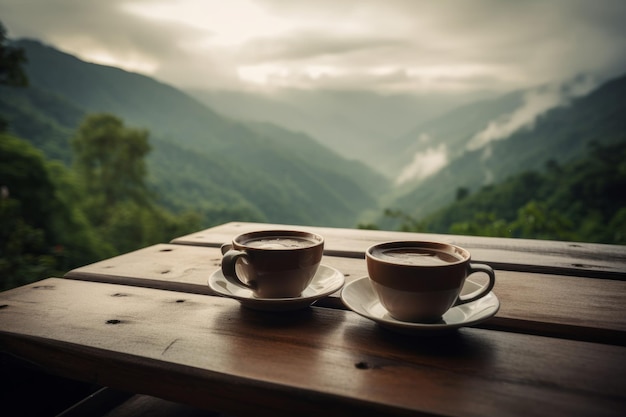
(535, 103)
(425, 163)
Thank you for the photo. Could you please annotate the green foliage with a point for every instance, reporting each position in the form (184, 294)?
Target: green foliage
(53, 219)
(11, 71)
(583, 200)
(12, 59)
(407, 223)
(110, 165)
(109, 158)
(132, 226)
(482, 224)
(24, 253)
(41, 234)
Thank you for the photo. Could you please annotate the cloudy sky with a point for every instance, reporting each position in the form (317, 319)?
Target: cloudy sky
(384, 45)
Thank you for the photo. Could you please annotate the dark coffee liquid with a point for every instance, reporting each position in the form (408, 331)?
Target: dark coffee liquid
(280, 242)
(416, 256)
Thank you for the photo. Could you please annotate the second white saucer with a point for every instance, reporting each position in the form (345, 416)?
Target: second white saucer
(360, 297)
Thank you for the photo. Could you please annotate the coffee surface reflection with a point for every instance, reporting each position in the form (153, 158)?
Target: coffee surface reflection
(416, 256)
(280, 242)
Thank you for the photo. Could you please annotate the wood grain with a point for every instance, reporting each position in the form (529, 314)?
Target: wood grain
(526, 255)
(209, 352)
(165, 266)
(553, 305)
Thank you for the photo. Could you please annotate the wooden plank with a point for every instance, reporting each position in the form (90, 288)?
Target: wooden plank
(210, 352)
(165, 266)
(554, 305)
(541, 256)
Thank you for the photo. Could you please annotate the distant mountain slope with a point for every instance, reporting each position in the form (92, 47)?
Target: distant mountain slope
(560, 135)
(580, 200)
(450, 131)
(200, 159)
(140, 100)
(355, 124)
(46, 119)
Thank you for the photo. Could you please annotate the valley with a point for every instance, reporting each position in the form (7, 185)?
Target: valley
(308, 157)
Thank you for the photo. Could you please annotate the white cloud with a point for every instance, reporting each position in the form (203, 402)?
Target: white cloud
(424, 164)
(535, 103)
(401, 45)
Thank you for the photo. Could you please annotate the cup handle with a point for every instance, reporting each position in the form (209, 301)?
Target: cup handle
(481, 292)
(229, 261)
(225, 248)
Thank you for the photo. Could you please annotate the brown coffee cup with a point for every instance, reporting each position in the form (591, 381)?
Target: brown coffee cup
(273, 263)
(419, 281)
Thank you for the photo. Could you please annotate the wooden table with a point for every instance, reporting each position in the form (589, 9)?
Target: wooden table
(146, 322)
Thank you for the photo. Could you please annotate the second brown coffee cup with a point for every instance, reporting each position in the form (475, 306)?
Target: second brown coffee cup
(273, 263)
(419, 281)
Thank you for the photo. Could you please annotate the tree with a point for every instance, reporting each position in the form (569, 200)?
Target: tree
(536, 220)
(407, 222)
(109, 158)
(11, 71)
(49, 222)
(41, 234)
(11, 61)
(461, 193)
(482, 224)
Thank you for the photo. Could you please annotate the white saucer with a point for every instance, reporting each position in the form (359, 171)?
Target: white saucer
(360, 297)
(326, 281)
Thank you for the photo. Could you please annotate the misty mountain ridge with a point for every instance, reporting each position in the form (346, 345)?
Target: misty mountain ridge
(431, 146)
(402, 136)
(200, 159)
(563, 132)
(352, 123)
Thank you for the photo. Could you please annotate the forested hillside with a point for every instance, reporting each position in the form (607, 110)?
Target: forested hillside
(560, 134)
(582, 200)
(222, 168)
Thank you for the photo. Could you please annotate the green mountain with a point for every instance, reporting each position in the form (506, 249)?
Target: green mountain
(226, 169)
(581, 200)
(560, 134)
